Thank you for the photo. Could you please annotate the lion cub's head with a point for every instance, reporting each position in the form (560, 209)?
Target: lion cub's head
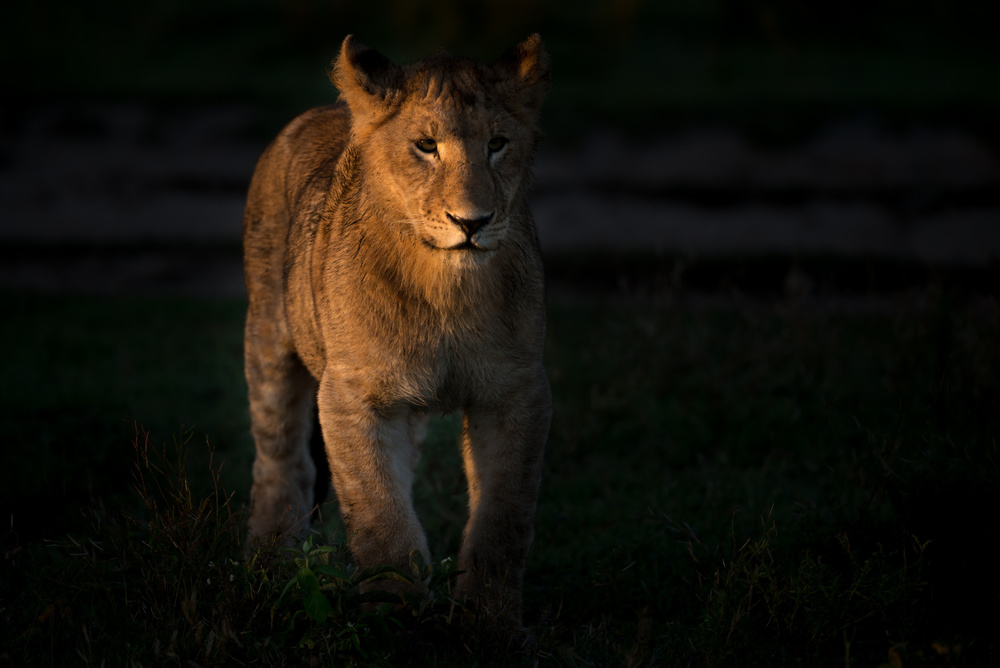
(446, 142)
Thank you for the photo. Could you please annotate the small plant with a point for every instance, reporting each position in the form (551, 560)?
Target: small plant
(330, 605)
(167, 580)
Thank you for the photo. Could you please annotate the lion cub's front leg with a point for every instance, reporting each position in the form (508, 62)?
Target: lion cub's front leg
(373, 452)
(502, 449)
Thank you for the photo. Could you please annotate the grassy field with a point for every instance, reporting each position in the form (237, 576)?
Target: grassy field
(728, 482)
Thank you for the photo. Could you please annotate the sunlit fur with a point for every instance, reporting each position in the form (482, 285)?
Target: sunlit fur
(368, 298)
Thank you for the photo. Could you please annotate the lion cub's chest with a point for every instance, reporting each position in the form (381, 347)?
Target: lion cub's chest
(447, 373)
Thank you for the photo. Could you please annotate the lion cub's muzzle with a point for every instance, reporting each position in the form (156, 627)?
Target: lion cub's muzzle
(470, 227)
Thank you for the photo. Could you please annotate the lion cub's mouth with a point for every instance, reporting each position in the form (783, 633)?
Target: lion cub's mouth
(467, 245)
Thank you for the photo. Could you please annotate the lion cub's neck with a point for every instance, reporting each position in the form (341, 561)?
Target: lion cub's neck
(447, 281)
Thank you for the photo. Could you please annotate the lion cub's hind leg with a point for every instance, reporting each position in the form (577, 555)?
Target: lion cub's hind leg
(281, 400)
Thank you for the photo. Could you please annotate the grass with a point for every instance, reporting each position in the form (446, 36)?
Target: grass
(727, 483)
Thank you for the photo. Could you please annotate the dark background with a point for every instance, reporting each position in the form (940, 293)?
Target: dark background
(776, 129)
(776, 68)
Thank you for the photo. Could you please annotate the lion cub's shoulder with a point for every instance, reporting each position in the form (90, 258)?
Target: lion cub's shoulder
(312, 138)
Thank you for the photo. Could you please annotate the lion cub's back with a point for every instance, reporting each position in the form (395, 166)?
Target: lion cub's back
(292, 175)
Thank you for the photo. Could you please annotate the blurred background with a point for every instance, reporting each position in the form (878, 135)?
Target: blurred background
(693, 129)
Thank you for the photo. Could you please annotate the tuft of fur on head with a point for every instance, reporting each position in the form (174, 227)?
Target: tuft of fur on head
(374, 87)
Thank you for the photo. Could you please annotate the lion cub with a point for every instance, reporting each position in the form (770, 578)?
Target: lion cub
(393, 270)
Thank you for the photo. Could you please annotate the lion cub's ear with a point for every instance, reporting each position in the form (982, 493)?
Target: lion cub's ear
(368, 81)
(524, 73)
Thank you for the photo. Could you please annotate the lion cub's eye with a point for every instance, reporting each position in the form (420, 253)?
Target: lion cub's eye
(427, 145)
(496, 144)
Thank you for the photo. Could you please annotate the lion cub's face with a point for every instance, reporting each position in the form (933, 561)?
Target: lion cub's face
(455, 170)
(450, 140)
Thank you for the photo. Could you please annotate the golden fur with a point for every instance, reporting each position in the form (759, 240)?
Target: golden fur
(393, 270)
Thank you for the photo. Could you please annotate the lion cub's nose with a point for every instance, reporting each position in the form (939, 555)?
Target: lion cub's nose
(470, 225)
